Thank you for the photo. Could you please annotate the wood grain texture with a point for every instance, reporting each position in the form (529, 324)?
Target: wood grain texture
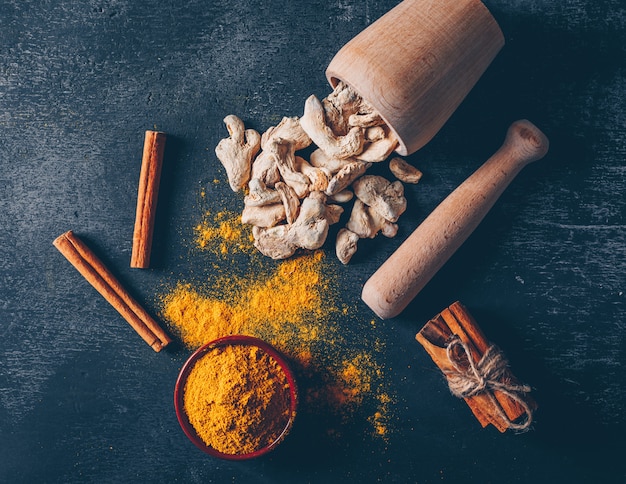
(544, 273)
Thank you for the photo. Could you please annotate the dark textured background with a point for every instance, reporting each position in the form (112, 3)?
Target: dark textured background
(82, 399)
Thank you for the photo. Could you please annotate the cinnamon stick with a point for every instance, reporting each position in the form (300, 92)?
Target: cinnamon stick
(95, 272)
(501, 404)
(149, 179)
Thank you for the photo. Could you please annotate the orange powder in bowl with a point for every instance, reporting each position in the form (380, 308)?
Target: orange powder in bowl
(236, 398)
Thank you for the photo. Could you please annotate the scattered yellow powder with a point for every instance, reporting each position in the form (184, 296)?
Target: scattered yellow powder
(276, 307)
(291, 304)
(354, 380)
(380, 419)
(223, 233)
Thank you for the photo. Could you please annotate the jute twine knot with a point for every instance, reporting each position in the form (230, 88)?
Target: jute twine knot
(485, 377)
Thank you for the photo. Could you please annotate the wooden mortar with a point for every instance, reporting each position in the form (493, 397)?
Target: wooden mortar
(418, 62)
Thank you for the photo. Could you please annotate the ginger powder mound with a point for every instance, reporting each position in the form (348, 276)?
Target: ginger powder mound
(236, 397)
(261, 306)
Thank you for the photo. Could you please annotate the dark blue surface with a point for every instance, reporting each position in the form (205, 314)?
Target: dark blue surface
(84, 400)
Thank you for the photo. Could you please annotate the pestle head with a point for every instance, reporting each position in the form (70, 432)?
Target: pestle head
(526, 141)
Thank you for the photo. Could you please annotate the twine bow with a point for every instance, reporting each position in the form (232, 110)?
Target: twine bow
(484, 377)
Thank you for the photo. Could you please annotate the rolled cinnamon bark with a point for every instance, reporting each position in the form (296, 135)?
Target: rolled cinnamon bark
(95, 272)
(147, 195)
(503, 402)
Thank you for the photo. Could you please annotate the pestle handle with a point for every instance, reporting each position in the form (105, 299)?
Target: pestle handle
(392, 287)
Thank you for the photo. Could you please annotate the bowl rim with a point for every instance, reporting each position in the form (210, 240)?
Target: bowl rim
(236, 339)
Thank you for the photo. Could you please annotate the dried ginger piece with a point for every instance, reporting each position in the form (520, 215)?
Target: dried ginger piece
(237, 152)
(404, 171)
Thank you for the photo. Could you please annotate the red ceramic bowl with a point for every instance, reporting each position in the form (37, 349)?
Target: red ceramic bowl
(186, 370)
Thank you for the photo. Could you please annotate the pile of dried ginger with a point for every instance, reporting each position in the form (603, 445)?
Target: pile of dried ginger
(291, 202)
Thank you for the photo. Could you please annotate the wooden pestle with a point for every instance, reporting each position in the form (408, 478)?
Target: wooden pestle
(392, 287)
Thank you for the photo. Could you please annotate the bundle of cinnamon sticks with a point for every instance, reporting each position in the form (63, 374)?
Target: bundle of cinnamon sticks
(476, 370)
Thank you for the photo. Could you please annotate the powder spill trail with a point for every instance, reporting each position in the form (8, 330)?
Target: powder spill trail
(283, 304)
(292, 304)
